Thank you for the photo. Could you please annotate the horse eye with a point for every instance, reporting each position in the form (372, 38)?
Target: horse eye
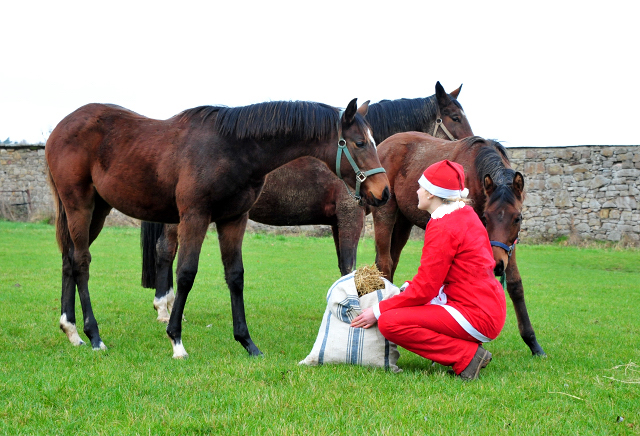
(455, 118)
(360, 144)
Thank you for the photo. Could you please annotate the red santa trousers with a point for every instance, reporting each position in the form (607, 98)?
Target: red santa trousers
(431, 332)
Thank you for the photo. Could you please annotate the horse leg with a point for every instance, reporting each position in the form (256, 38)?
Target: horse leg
(166, 249)
(191, 233)
(230, 235)
(346, 235)
(399, 238)
(383, 222)
(84, 225)
(516, 292)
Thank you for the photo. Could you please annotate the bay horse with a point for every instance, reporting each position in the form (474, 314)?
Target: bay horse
(324, 200)
(496, 191)
(206, 164)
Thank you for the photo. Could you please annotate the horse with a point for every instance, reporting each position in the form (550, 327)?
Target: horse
(325, 200)
(206, 164)
(496, 191)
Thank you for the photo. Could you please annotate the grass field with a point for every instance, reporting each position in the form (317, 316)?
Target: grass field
(583, 304)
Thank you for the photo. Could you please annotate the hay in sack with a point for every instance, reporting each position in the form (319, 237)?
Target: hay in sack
(337, 341)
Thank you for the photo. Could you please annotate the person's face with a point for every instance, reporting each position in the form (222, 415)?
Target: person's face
(424, 199)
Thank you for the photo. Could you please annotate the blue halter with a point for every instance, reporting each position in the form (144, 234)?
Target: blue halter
(361, 176)
(505, 247)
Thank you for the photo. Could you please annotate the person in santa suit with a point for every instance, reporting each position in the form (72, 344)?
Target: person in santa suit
(454, 303)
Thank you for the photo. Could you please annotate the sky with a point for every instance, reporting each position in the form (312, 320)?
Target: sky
(545, 73)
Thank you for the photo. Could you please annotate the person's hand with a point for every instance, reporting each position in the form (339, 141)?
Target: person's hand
(365, 320)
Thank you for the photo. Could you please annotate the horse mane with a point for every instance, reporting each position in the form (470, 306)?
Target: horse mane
(388, 117)
(285, 120)
(492, 159)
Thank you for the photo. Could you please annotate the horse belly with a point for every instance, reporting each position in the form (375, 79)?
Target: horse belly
(144, 201)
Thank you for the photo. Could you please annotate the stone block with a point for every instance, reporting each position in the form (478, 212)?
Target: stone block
(554, 169)
(626, 203)
(554, 183)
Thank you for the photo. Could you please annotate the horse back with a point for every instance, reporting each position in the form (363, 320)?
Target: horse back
(129, 159)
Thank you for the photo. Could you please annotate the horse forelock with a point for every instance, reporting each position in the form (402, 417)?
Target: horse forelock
(388, 117)
(492, 159)
(295, 120)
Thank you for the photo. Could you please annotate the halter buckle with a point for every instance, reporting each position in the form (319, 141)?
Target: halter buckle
(361, 176)
(342, 143)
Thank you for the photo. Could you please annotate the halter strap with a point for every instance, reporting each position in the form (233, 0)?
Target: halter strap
(361, 176)
(440, 124)
(508, 248)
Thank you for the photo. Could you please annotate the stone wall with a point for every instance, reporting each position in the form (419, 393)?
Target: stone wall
(582, 192)
(586, 192)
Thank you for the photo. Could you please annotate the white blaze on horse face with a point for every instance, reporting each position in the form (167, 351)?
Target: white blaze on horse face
(370, 136)
(70, 330)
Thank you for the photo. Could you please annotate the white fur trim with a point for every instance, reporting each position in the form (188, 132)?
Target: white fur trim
(447, 208)
(441, 192)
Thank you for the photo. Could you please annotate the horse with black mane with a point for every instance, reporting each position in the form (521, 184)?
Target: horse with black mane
(496, 191)
(291, 198)
(206, 164)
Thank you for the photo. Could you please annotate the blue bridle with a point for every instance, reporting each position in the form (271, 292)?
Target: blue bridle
(361, 176)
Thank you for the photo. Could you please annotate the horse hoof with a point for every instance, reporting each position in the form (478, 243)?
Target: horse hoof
(100, 347)
(178, 350)
(163, 320)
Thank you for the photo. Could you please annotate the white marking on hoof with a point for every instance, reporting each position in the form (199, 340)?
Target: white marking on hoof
(178, 350)
(70, 330)
(164, 305)
(102, 346)
(171, 296)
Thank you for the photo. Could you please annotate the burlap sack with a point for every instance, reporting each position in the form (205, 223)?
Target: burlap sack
(338, 342)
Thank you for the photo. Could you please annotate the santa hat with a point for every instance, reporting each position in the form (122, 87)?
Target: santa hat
(444, 179)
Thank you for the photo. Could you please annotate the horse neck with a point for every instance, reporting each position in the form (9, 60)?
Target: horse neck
(281, 154)
(418, 114)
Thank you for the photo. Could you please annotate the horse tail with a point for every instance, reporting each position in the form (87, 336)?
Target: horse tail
(149, 235)
(62, 227)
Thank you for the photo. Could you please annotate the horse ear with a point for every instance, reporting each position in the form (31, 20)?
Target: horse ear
(456, 92)
(442, 96)
(518, 184)
(364, 108)
(350, 111)
(489, 186)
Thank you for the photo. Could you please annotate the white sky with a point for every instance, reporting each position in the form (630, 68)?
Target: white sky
(546, 73)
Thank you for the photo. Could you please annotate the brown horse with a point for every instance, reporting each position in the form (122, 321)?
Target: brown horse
(496, 191)
(206, 164)
(323, 200)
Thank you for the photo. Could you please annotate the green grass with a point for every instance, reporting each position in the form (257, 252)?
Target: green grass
(583, 304)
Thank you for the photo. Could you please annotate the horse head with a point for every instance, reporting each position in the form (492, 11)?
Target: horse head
(356, 143)
(451, 122)
(503, 217)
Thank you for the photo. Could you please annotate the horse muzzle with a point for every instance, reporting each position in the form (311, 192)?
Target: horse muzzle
(372, 200)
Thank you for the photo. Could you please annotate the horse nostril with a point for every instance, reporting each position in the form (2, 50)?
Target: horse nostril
(499, 268)
(385, 195)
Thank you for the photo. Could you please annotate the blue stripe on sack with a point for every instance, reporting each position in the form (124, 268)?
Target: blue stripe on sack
(324, 340)
(379, 292)
(346, 307)
(354, 346)
(386, 354)
(347, 277)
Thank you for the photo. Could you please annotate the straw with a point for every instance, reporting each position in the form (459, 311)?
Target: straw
(368, 279)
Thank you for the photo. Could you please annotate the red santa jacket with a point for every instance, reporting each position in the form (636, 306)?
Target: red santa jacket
(457, 254)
